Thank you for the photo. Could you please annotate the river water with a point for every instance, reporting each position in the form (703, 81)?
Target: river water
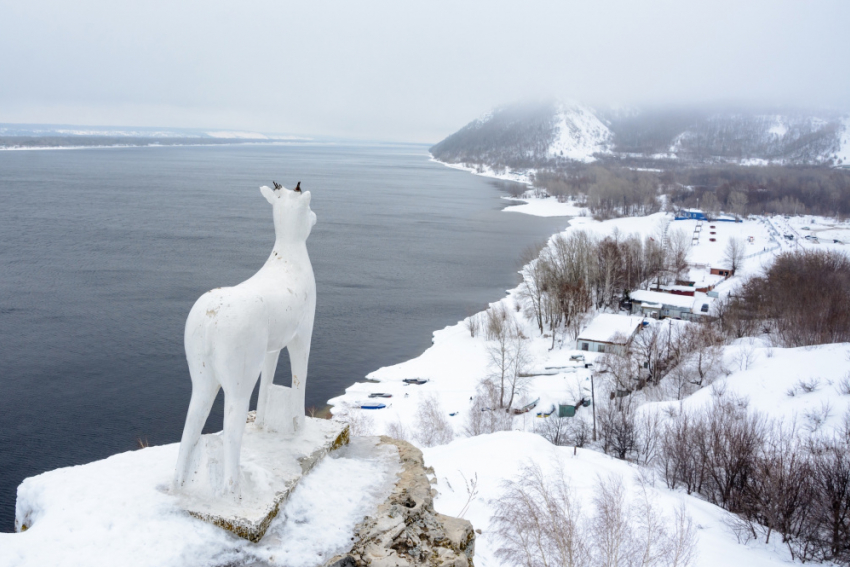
(104, 251)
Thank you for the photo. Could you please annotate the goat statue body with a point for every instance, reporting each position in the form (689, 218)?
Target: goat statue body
(235, 334)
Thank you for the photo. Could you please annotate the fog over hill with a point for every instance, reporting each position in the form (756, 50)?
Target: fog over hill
(552, 133)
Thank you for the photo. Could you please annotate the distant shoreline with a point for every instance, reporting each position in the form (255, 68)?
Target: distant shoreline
(159, 144)
(526, 208)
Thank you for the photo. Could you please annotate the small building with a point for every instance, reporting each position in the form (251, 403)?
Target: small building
(658, 305)
(677, 289)
(691, 214)
(608, 333)
(725, 272)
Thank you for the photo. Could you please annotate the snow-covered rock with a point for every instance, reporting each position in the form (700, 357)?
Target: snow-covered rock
(118, 511)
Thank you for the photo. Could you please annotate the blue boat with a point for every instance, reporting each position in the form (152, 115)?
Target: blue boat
(373, 406)
(546, 413)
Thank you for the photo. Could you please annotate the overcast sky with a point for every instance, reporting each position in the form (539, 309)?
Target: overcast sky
(404, 70)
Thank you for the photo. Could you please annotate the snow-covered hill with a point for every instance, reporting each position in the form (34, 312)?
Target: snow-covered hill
(579, 134)
(551, 133)
(527, 135)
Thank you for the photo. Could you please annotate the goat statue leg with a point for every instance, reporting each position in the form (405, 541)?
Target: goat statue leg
(204, 391)
(299, 355)
(266, 379)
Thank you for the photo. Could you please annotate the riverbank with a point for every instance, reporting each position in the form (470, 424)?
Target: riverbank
(458, 360)
(436, 411)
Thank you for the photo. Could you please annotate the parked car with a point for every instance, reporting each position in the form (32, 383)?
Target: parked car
(577, 358)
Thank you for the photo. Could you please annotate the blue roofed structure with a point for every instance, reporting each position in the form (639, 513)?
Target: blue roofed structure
(692, 214)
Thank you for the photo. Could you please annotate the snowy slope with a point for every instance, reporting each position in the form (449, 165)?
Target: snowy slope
(758, 139)
(843, 152)
(493, 459)
(579, 134)
(776, 382)
(543, 134)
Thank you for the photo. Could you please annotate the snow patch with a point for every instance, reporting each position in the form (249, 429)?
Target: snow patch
(779, 129)
(545, 207)
(580, 134)
(117, 512)
(844, 142)
(238, 135)
(498, 457)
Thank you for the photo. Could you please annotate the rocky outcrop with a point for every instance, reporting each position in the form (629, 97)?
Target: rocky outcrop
(406, 530)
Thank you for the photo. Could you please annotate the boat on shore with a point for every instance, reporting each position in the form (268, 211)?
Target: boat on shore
(372, 406)
(380, 395)
(546, 413)
(527, 407)
(415, 381)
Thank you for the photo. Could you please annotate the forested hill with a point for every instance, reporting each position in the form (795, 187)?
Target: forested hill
(553, 133)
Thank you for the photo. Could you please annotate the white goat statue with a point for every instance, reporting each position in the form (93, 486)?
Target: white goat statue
(234, 334)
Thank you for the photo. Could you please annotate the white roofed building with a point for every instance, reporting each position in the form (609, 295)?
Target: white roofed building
(658, 304)
(608, 333)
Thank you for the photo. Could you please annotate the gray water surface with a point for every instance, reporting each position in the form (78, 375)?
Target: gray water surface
(104, 251)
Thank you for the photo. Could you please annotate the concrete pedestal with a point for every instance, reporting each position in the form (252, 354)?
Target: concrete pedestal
(271, 466)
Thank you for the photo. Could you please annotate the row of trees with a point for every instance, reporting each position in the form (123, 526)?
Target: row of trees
(802, 299)
(576, 272)
(747, 190)
(611, 191)
(607, 192)
(675, 356)
(770, 476)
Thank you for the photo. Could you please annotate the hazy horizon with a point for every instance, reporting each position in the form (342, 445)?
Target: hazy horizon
(412, 72)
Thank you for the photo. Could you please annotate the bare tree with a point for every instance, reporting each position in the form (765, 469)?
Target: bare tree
(618, 428)
(734, 253)
(704, 359)
(499, 349)
(359, 423)
(609, 271)
(621, 367)
(533, 286)
(563, 431)
(508, 353)
(432, 426)
(710, 204)
(830, 524)
(473, 323)
(517, 377)
(649, 352)
(485, 415)
(737, 202)
(678, 251)
(397, 430)
(538, 521)
(570, 259)
(496, 325)
(611, 527)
